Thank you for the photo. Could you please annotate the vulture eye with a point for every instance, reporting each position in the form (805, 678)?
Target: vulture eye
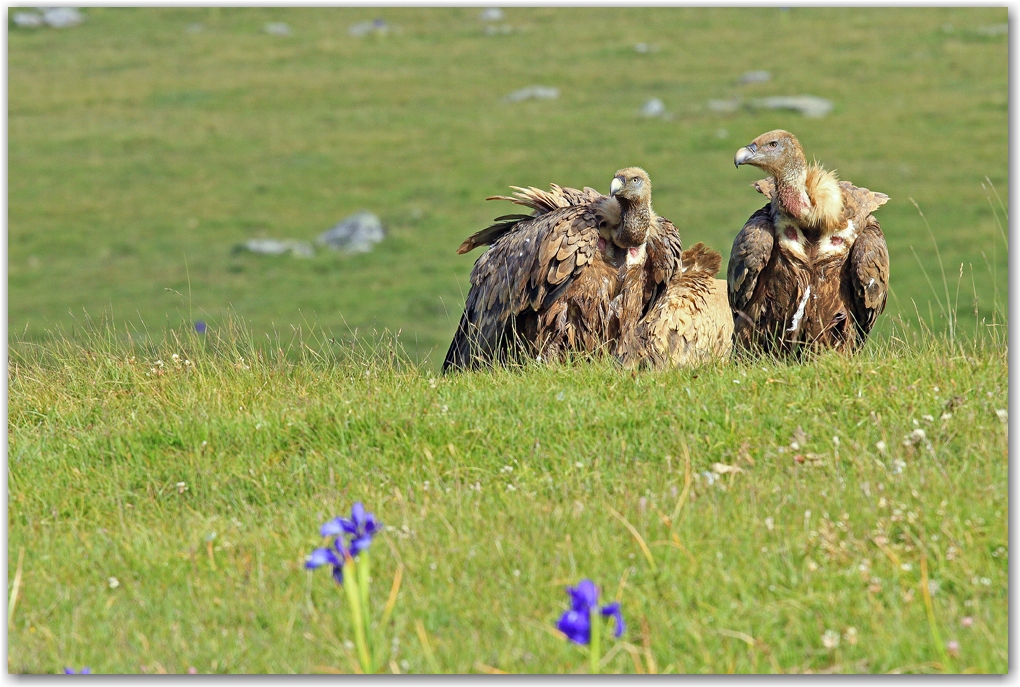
(773, 144)
(635, 180)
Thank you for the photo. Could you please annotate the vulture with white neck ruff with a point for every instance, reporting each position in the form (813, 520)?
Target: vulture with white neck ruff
(549, 283)
(811, 268)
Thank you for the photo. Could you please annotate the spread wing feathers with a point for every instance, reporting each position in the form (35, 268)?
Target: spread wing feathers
(861, 202)
(751, 251)
(690, 324)
(541, 202)
(527, 269)
(489, 235)
(868, 285)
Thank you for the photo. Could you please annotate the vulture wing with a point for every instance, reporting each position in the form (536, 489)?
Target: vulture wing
(526, 269)
(750, 254)
(867, 288)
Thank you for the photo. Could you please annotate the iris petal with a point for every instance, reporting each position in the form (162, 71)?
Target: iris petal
(584, 596)
(613, 610)
(576, 626)
(322, 557)
(338, 574)
(332, 528)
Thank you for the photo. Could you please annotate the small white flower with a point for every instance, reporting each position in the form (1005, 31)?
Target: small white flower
(881, 446)
(850, 636)
(113, 582)
(898, 466)
(770, 524)
(182, 487)
(946, 416)
(927, 418)
(578, 465)
(906, 567)
(835, 440)
(830, 640)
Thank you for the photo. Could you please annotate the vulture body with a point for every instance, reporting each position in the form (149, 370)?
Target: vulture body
(551, 282)
(689, 324)
(810, 269)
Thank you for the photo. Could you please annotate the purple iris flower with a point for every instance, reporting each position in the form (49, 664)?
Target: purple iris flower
(200, 327)
(71, 671)
(333, 555)
(576, 623)
(361, 527)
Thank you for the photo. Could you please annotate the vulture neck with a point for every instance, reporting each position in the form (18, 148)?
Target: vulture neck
(637, 217)
(810, 195)
(791, 188)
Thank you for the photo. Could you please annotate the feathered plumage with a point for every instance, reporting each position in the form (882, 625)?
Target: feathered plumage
(689, 323)
(552, 282)
(811, 267)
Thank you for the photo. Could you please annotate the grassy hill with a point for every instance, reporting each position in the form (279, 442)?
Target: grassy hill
(160, 512)
(145, 143)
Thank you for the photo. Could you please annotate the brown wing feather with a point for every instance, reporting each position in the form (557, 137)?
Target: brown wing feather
(751, 250)
(868, 284)
(520, 273)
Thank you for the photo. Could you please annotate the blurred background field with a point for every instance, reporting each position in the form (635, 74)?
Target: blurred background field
(144, 144)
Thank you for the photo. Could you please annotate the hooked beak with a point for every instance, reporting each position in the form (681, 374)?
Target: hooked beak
(616, 186)
(744, 154)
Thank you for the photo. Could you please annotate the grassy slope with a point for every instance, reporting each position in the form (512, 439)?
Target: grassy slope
(139, 153)
(497, 490)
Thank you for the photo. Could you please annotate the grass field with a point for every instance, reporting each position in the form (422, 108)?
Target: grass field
(200, 488)
(164, 487)
(140, 153)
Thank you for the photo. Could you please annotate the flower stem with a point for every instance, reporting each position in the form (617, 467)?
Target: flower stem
(594, 646)
(363, 577)
(356, 617)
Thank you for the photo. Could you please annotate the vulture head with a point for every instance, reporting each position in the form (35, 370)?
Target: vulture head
(777, 153)
(632, 187)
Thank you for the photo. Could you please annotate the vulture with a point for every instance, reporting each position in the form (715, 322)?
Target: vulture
(690, 323)
(810, 269)
(551, 281)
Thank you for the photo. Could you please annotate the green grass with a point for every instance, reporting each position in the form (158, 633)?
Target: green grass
(140, 154)
(201, 488)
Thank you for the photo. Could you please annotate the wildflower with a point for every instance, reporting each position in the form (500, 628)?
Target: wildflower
(200, 327)
(361, 527)
(113, 582)
(967, 621)
(576, 623)
(71, 671)
(333, 555)
(953, 647)
(830, 640)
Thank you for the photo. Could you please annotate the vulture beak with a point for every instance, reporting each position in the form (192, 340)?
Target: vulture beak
(616, 186)
(744, 154)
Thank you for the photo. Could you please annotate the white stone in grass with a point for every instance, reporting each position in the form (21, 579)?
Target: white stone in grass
(299, 249)
(491, 14)
(755, 76)
(807, 105)
(357, 233)
(533, 93)
(277, 28)
(27, 20)
(62, 17)
(113, 582)
(653, 107)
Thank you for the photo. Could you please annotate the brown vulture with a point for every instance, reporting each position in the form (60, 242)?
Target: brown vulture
(811, 268)
(550, 282)
(690, 323)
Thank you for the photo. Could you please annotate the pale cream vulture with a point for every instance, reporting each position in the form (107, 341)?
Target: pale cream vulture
(811, 268)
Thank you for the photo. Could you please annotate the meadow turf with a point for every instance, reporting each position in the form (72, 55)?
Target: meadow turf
(164, 487)
(198, 484)
(140, 153)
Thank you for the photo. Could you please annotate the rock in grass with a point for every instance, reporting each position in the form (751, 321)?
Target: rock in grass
(756, 76)
(27, 20)
(731, 105)
(62, 17)
(377, 26)
(277, 28)
(355, 234)
(807, 105)
(299, 249)
(533, 92)
(653, 108)
(491, 14)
